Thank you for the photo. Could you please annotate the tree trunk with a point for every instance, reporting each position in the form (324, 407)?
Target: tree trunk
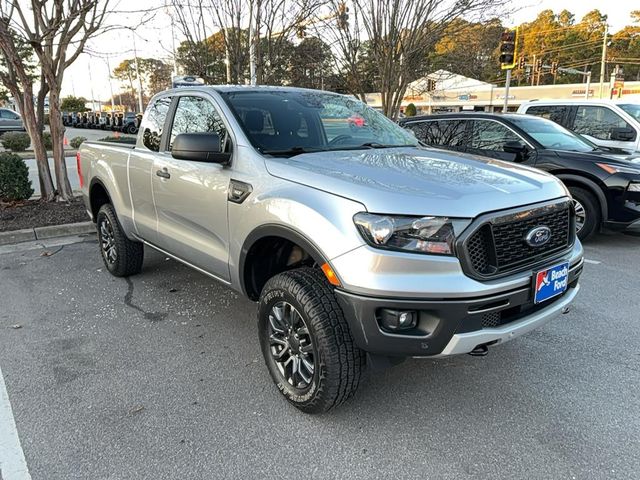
(47, 191)
(42, 94)
(57, 139)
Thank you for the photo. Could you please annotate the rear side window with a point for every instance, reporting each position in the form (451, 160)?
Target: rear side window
(556, 113)
(153, 123)
(449, 133)
(597, 122)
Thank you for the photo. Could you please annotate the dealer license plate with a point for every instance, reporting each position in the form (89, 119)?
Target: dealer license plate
(551, 282)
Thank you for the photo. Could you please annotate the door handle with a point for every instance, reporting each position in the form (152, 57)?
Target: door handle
(163, 173)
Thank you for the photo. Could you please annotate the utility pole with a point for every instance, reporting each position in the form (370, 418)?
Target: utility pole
(173, 48)
(604, 58)
(113, 105)
(533, 71)
(252, 46)
(135, 61)
(506, 91)
(93, 103)
(227, 56)
(586, 93)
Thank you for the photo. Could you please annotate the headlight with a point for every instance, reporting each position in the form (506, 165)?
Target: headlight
(433, 235)
(617, 168)
(634, 187)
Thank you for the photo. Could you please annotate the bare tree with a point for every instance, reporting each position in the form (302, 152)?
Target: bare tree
(58, 31)
(277, 21)
(399, 33)
(17, 75)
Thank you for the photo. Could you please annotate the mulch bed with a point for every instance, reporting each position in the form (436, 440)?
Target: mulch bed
(36, 213)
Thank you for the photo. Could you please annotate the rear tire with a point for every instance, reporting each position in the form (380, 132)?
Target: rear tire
(588, 217)
(121, 256)
(316, 334)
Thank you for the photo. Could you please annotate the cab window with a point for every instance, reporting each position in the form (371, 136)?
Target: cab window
(597, 121)
(555, 113)
(196, 115)
(153, 123)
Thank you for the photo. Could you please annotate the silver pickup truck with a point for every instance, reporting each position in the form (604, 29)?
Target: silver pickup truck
(360, 246)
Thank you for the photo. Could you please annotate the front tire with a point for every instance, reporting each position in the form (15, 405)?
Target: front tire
(306, 341)
(588, 216)
(121, 256)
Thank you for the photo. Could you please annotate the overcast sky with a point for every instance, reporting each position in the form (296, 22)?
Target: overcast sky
(154, 39)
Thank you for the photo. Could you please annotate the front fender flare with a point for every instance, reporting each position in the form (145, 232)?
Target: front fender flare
(275, 230)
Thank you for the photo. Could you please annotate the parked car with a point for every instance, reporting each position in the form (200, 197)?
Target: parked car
(605, 187)
(607, 123)
(10, 121)
(359, 248)
(130, 123)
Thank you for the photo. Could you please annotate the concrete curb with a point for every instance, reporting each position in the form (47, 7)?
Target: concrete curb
(41, 233)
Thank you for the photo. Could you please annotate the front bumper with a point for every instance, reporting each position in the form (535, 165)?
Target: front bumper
(450, 326)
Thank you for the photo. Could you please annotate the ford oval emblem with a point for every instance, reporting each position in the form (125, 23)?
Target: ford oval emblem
(538, 236)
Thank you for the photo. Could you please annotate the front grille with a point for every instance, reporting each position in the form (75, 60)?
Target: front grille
(498, 245)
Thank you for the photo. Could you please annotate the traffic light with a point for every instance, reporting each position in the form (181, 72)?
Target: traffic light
(431, 85)
(554, 68)
(522, 63)
(343, 16)
(508, 49)
(538, 65)
(301, 31)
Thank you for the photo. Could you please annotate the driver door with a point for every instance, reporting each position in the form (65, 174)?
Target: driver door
(191, 196)
(493, 139)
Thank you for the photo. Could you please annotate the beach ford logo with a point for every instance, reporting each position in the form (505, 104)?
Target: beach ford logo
(538, 236)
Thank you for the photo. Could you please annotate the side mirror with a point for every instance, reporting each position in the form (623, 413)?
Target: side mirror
(515, 147)
(199, 147)
(519, 149)
(623, 134)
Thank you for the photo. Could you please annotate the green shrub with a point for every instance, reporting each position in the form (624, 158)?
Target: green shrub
(48, 144)
(14, 178)
(410, 110)
(75, 142)
(128, 140)
(15, 141)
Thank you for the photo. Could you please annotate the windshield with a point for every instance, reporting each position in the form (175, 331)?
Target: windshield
(289, 122)
(551, 135)
(632, 109)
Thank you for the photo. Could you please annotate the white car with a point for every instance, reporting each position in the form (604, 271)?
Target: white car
(607, 123)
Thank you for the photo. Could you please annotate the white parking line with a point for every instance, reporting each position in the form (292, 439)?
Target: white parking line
(592, 262)
(13, 465)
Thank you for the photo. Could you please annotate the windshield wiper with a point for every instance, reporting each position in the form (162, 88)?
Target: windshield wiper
(371, 145)
(291, 152)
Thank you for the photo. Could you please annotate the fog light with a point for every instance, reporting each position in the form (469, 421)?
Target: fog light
(394, 320)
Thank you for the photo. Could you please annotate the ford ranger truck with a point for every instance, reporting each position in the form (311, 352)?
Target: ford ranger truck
(358, 245)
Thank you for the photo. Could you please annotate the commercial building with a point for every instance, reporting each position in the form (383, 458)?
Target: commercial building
(444, 91)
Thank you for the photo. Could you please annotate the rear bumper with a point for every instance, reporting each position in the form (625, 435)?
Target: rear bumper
(452, 326)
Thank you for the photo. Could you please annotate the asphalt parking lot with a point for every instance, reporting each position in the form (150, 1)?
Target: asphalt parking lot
(160, 377)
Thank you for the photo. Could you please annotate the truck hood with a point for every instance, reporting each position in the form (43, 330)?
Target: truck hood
(416, 181)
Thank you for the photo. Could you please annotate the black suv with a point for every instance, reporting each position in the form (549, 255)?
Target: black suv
(605, 187)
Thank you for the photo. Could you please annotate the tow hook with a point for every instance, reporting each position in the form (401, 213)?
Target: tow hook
(479, 351)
